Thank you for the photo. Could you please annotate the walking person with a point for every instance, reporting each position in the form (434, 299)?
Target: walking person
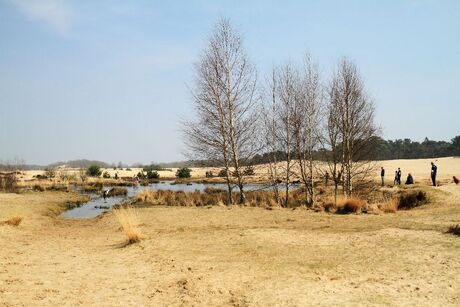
(434, 171)
(382, 175)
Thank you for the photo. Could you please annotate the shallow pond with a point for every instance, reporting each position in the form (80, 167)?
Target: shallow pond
(98, 204)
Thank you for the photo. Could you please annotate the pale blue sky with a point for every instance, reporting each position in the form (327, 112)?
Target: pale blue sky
(108, 80)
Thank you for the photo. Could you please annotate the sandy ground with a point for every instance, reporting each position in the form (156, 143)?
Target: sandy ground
(419, 168)
(230, 256)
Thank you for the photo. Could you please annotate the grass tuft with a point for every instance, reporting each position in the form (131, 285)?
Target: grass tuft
(350, 205)
(127, 218)
(389, 206)
(14, 221)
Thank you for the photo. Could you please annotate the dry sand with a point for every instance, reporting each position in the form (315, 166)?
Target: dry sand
(230, 256)
(419, 168)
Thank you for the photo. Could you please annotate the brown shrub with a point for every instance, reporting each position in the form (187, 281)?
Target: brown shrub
(455, 230)
(411, 199)
(8, 182)
(350, 205)
(13, 221)
(38, 187)
(329, 206)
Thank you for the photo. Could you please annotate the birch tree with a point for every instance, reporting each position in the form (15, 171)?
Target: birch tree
(225, 105)
(305, 123)
(354, 113)
(270, 132)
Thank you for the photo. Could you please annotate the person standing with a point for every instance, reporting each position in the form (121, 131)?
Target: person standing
(434, 171)
(399, 176)
(382, 175)
(395, 181)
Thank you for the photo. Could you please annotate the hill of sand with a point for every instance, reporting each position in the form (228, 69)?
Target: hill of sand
(419, 168)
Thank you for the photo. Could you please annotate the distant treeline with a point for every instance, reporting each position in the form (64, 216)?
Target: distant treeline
(408, 149)
(380, 149)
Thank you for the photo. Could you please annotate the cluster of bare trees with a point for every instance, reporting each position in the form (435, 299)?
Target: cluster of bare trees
(294, 113)
(291, 114)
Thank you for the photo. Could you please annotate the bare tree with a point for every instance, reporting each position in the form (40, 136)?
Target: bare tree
(224, 100)
(354, 113)
(286, 89)
(50, 172)
(270, 131)
(331, 138)
(305, 123)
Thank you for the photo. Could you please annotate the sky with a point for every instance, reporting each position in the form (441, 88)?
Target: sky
(111, 80)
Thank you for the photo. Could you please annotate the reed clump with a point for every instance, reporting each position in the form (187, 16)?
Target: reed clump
(127, 217)
(116, 191)
(347, 205)
(209, 197)
(389, 206)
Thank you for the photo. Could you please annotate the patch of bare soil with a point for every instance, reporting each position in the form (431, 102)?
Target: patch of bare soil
(230, 256)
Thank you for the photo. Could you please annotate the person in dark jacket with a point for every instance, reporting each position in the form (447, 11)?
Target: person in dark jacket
(399, 176)
(382, 175)
(434, 171)
(410, 179)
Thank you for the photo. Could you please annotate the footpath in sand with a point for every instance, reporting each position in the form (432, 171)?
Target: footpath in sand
(237, 256)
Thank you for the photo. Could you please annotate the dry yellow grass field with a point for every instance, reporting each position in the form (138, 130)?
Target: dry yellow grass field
(232, 256)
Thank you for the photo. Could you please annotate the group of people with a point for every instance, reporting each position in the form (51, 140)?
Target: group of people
(410, 179)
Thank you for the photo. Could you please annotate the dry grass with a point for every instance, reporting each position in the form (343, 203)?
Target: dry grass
(329, 205)
(350, 205)
(210, 197)
(117, 192)
(13, 221)
(127, 217)
(221, 256)
(389, 206)
(42, 186)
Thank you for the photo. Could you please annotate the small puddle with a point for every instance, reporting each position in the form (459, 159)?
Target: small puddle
(97, 205)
